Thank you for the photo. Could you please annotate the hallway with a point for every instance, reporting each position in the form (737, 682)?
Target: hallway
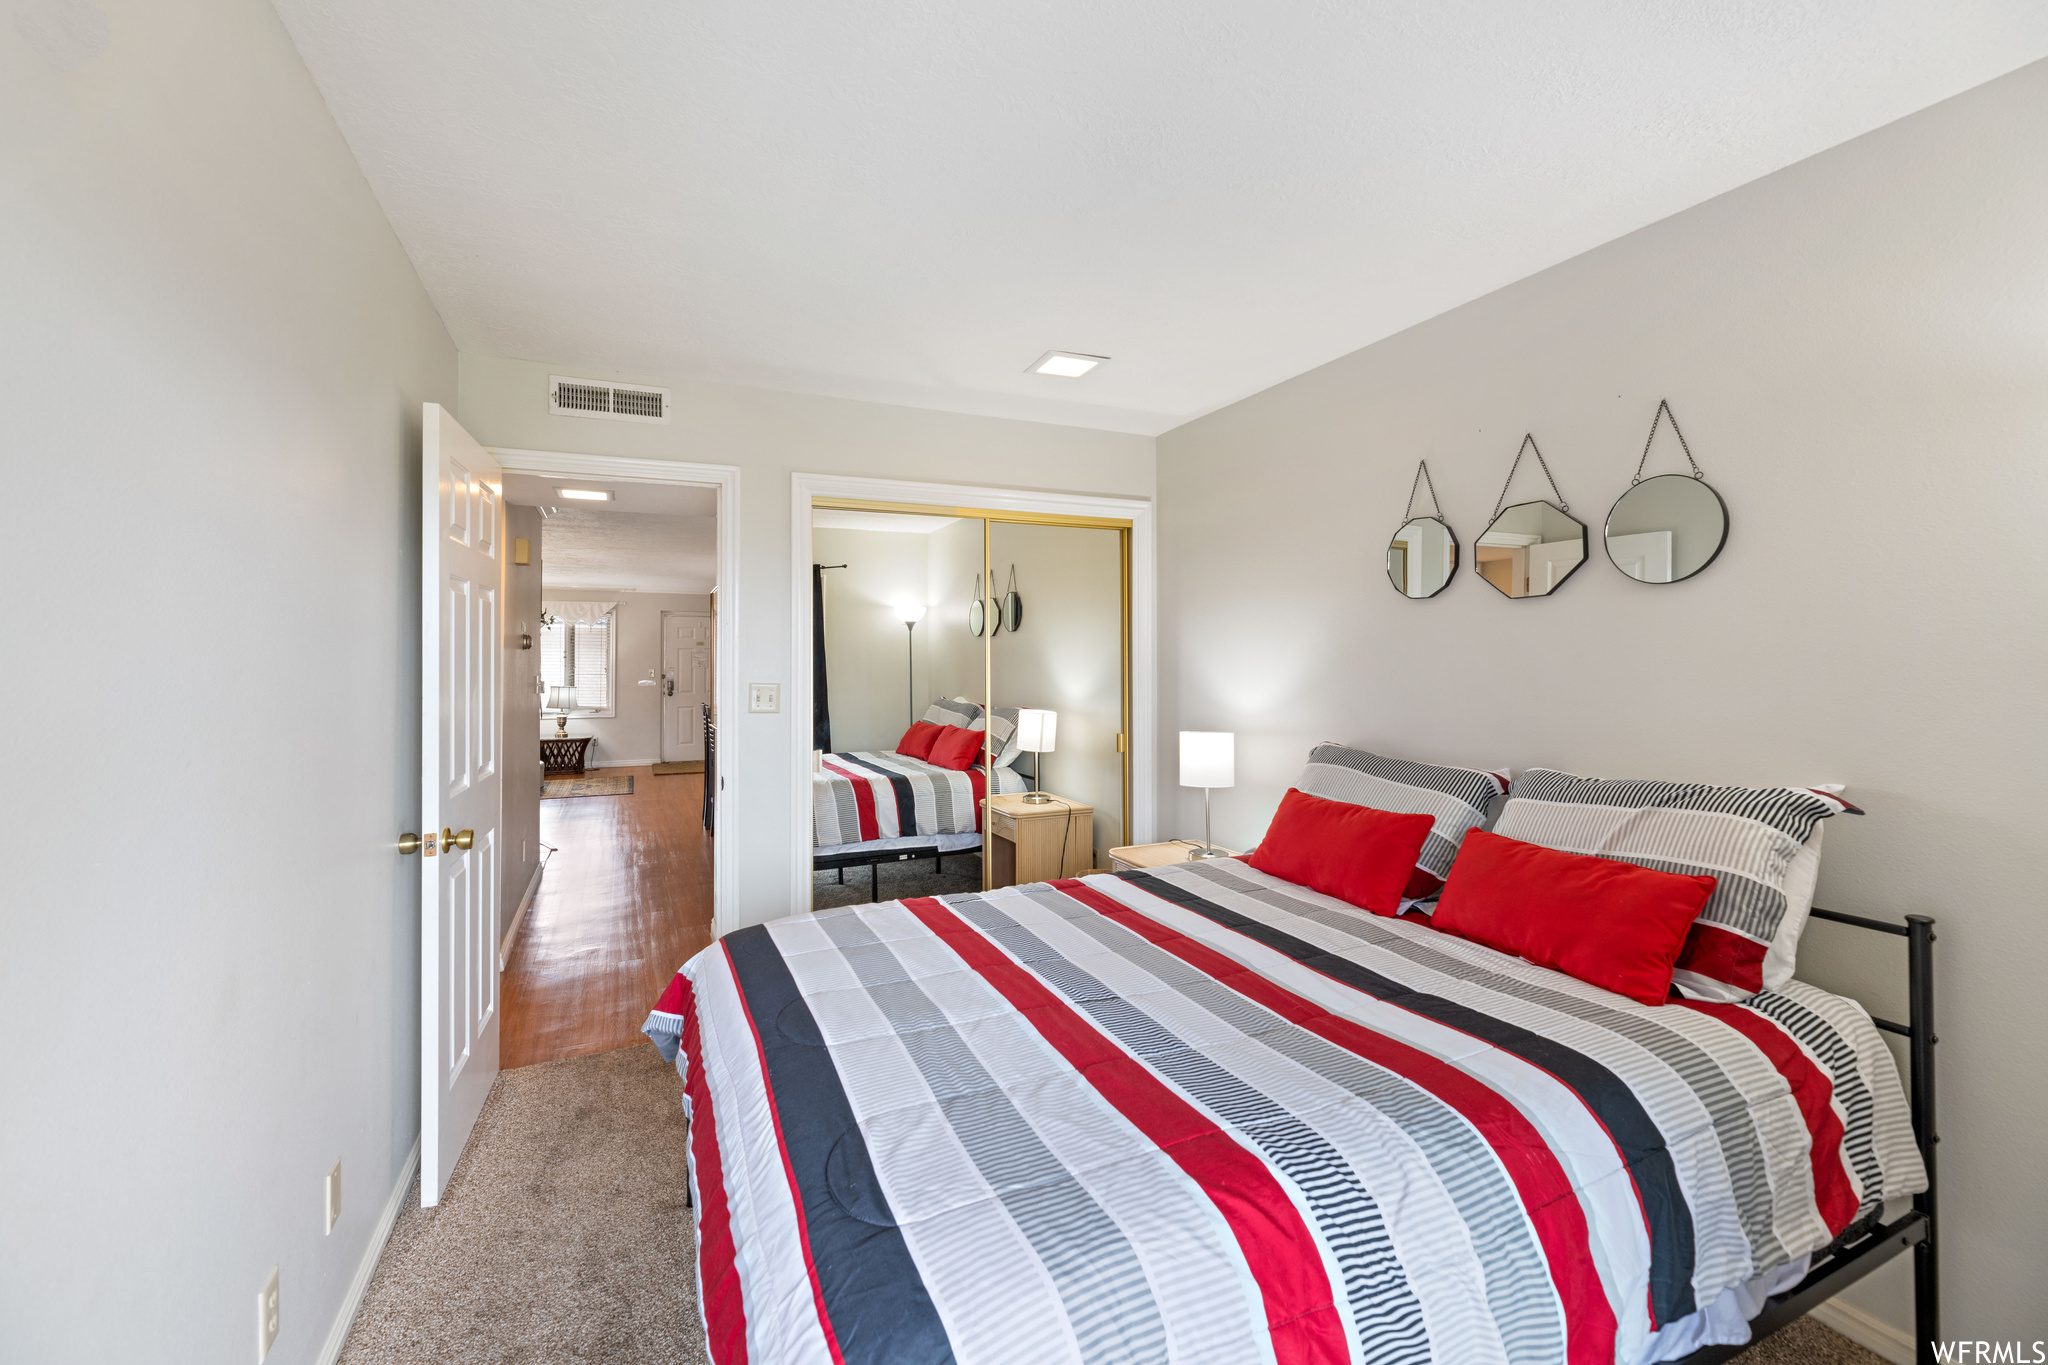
(625, 901)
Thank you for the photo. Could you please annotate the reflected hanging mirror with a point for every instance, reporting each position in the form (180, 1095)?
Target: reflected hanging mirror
(1667, 527)
(1013, 605)
(1530, 549)
(975, 610)
(1424, 552)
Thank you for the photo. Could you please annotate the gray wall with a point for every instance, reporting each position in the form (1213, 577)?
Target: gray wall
(519, 826)
(632, 736)
(865, 655)
(770, 436)
(1857, 351)
(214, 355)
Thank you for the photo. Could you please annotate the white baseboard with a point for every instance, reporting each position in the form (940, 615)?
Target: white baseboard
(1871, 1333)
(519, 915)
(337, 1336)
(622, 762)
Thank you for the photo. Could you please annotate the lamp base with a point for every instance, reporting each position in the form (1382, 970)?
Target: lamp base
(1198, 853)
(561, 727)
(1036, 799)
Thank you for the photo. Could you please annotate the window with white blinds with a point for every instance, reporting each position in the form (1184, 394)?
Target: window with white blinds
(580, 655)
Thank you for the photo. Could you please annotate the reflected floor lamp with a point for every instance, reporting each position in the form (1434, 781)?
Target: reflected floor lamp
(1035, 732)
(910, 613)
(1208, 758)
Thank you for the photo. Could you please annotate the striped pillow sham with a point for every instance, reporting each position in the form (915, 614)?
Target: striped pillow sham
(1457, 798)
(966, 715)
(1761, 843)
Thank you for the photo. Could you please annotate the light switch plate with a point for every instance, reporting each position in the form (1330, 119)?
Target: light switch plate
(334, 1196)
(266, 1317)
(764, 696)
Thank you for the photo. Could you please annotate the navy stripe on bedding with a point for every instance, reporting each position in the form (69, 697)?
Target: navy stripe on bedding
(906, 799)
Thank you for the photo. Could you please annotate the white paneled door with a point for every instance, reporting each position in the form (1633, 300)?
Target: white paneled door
(461, 758)
(685, 684)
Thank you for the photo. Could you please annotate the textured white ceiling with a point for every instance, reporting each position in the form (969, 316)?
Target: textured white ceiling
(661, 499)
(910, 202)
(627, 552)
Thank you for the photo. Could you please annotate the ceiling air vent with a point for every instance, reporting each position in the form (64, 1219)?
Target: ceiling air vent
(595, 398)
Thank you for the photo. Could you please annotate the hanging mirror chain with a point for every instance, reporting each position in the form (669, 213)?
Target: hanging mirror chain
(1422, 477)
(1529, 443)
(1663, 411)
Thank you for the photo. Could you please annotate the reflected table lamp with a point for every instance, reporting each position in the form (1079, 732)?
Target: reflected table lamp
(1035, 731)
(561, 700)
(1208, 758)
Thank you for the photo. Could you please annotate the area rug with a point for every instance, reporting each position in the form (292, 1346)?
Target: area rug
(688, 765)
(561, 788)
(563, 1234)
(962, 876)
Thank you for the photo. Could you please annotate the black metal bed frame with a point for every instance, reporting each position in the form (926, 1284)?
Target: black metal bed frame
(873, 858)
(1862, 1252)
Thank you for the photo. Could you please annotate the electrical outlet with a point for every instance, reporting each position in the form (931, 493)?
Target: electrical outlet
(764, 696)
(334, 1196)
(266, 1317)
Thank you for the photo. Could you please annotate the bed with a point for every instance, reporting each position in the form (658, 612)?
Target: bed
(1204, 1114)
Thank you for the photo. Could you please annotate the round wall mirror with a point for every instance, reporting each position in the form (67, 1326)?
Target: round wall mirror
(1666, 529)
(1530, 549)
(976, 613)
(1013, 610)
(1422, 557)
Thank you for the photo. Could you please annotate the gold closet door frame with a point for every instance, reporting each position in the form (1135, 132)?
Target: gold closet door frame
(988, 516)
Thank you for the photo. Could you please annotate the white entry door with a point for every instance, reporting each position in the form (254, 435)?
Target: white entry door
(685, 683)
(461, 759)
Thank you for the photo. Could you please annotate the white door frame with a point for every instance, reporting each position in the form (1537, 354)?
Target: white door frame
(1144, 631)
(725, 694)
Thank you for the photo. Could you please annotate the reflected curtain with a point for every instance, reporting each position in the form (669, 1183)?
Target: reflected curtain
(821, 706)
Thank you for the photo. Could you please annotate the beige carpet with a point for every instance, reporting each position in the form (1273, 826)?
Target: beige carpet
(563, 1235)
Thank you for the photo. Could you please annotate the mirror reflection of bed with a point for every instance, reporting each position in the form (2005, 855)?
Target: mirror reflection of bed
(919, 715)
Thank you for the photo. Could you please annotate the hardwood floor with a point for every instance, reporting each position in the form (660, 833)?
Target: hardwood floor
(625, 900)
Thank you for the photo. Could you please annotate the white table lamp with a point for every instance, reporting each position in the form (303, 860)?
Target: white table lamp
(561, 700)
(1208, 758)
(1035, 731)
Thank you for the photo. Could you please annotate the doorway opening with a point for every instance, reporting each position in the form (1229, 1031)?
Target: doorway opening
(608, 822)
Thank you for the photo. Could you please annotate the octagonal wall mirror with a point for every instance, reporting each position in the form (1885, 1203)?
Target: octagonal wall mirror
(1530, 549)
(1666, 529)
(1422, 557)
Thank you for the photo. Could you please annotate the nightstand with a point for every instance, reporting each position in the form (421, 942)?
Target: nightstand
(1035, 843)
(1141, 856)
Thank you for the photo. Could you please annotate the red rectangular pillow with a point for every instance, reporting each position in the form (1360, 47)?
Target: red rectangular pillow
(1610, 924)
(956, 748)
(917, 740)
(1354, 853)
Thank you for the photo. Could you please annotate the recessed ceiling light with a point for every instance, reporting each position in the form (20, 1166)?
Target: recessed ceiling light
(586, 494)
(1066, 364)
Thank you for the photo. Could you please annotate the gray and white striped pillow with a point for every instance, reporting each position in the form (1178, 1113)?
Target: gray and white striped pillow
(1001, 723)
(1762, 844)
(1456, 798)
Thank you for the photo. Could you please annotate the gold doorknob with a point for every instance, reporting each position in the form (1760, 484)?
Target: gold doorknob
(408, 843)
(463, 839)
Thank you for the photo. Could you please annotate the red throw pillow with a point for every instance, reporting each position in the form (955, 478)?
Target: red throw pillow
(917, 740)
(1354, 853)
(1608, 923)
(955, 748)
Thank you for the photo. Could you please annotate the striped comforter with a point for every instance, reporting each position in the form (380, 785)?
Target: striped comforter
(1201, 1114)
(861, 796)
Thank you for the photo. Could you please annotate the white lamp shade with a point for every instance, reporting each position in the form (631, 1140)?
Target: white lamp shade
(1208, 758)
(561, 699)
(910, 613)
(1035, 730)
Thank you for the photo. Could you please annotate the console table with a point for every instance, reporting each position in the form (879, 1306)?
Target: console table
(564, 755)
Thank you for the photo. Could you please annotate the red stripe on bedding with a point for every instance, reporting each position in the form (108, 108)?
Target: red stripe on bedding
(1301, 1313)
(796, 1197)
(1725, 956)
(718, 1276)
(1545, 1190)
(1834, 1193)
(863, 802)
(978, 781)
